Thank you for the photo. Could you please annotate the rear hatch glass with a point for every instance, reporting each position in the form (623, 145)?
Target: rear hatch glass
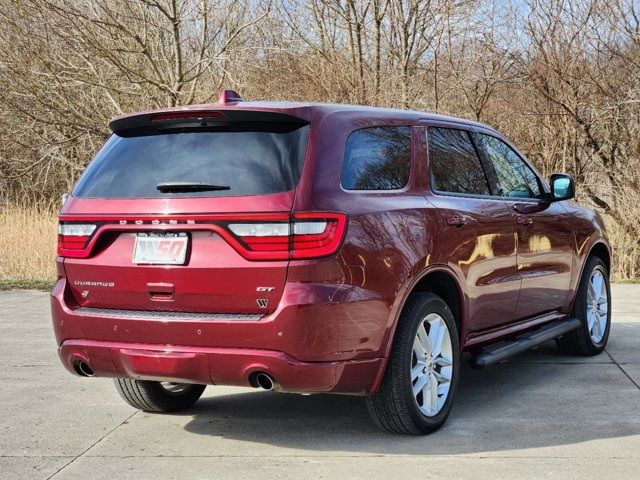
(252, 159)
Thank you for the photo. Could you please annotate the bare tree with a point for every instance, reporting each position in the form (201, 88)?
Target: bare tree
(590, 90)
(87, 61)
(561, 77)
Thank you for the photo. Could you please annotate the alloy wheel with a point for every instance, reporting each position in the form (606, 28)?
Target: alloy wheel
(175, 388)
(597, 306)
(431, 364)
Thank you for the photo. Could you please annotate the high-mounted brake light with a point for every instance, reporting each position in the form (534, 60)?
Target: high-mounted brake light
(73, 236)
(185, 115)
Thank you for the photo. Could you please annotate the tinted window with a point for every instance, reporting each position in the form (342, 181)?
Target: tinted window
(252, 160)
(455, 165)
(514, 177)
(377, 158)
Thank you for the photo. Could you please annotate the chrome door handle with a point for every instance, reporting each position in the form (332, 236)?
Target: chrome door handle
(456, 221)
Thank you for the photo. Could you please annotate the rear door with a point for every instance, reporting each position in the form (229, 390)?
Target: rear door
(477, 237)
(544, 236)
(188, 215)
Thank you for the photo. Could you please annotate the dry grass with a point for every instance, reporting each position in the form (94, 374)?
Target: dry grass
(626, 254)
(29, 235)
(28, 238)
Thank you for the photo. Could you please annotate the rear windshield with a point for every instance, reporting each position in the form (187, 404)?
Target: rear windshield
(253, 159)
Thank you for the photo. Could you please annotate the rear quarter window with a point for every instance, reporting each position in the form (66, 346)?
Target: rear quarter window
(377, 158)
(254, 159)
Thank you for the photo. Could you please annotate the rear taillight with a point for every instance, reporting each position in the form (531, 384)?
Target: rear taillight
(255, 236)
(73, 237)
(306, 235)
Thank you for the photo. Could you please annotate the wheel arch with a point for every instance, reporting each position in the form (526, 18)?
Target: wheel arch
(441, 281)
(601, 250)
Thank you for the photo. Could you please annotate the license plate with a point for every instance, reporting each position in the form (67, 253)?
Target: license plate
(160, 249)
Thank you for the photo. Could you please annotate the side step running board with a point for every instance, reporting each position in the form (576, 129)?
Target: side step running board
(501, 351)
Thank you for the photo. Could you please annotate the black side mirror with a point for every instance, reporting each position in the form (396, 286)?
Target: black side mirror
(562, 187)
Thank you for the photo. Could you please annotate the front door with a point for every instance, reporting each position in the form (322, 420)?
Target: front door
(545, 241)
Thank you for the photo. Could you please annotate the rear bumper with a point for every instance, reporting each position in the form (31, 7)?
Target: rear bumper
(218, 366)
(299, 350)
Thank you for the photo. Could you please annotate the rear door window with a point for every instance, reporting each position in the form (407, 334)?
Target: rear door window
(454, 163)
(377, 158)
(254, 159)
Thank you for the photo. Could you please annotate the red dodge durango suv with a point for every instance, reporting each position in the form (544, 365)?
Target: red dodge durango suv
(319, 248)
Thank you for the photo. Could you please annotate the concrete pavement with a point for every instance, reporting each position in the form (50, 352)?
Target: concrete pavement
(541, 415)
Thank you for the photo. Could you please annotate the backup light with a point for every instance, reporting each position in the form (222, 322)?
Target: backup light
(309, 228)
(73, 237)
(259, 229)
(77, 230)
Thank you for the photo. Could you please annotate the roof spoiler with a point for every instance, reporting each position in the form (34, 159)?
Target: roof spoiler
(200, 116)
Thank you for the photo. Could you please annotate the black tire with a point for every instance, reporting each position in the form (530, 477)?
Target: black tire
(393, 407)
(154, 397)
(579, 342)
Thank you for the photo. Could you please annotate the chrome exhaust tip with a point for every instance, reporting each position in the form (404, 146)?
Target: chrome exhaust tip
(266, 382)
(83, 369)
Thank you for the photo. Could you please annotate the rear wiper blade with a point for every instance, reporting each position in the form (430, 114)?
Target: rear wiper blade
(190, 187)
